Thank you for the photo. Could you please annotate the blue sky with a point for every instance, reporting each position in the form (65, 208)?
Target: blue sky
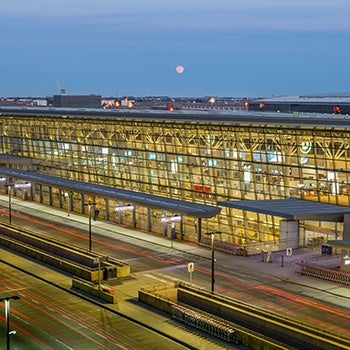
(228, 47)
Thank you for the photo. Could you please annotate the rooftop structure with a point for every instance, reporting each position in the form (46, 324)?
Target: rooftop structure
(77, 101)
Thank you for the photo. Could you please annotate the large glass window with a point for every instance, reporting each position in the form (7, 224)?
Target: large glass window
(200, 162)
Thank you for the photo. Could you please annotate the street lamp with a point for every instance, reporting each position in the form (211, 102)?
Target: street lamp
(90, 204)
(9, 189)
(7, 316)
(90, 238)
(212, 234)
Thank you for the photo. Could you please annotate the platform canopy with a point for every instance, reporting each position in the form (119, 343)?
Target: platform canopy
(291, 209)
(91, 189)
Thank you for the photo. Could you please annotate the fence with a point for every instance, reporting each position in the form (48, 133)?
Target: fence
(324, 273)
(225, 247)
(204, 323)
(247, 249)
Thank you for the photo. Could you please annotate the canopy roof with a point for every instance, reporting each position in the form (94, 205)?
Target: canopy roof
(292, 209)
(128, 196)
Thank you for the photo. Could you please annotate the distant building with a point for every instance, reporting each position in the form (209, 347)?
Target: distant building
(39, 102)
(76, 101)
(332, 104)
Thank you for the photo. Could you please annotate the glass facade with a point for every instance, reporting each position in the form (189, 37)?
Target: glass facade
(203, 162)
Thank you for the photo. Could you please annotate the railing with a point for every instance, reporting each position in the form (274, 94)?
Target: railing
(204, 323)
(324, 273)
(247, 249)
(225, 247)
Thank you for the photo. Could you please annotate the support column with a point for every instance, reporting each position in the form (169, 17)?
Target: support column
(149, 218)
(182, 228)
(32, 191)
(134, 217)
(50, 196)
(41, 193)
(60, 202)
(106, 209)
(199, 229)
(120, 214)
(346, 227)
(289, 233)
(82, 203)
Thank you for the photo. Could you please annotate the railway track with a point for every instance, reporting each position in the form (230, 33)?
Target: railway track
(91, 299)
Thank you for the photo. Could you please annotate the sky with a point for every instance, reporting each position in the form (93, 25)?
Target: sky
(228, 48)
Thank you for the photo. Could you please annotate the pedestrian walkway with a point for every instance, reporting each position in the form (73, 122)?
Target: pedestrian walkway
(281, 269)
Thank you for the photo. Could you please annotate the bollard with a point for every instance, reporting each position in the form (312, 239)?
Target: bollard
(282, 260)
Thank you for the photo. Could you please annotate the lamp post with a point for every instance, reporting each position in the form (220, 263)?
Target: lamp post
(9, 189)
(90, 235)
(212, 234)
(7, 316)
(10, 204)
(90, 204)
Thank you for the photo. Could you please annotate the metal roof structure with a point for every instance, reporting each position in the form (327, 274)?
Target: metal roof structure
(292, 209)
(138, 198)
(243, 117)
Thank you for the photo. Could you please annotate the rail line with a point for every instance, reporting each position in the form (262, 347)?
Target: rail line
(101, 305)
(278, 328)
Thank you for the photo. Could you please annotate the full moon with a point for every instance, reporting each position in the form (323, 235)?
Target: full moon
(180, 69)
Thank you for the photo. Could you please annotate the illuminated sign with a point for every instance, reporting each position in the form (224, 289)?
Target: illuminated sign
(170, 218)
(304, 160)
(124, 208)
(25, 185)
(306, 146)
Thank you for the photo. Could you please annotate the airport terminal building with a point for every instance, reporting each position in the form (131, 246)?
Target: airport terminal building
(184, 174)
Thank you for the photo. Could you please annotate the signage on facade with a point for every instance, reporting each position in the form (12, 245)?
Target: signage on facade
(170, 218)
(124, 208)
